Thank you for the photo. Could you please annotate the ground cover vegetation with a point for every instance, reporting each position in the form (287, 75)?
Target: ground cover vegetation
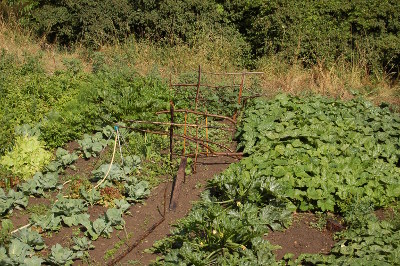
(304, 154)
(70, 69)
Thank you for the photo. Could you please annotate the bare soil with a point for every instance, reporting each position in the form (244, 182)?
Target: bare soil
(302, 237)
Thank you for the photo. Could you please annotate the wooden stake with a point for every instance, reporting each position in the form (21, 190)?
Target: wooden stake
(206, 133)
(184, 134)
(198, 90)
(240, 94)
(171, 133)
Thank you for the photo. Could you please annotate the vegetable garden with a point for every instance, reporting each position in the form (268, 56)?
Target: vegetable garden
(105, 162)
(310, 154)
(304, 154)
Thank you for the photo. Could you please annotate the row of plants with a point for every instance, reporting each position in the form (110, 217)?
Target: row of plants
(23, 248)
(303, 154)
(118, 192)
(48, 175)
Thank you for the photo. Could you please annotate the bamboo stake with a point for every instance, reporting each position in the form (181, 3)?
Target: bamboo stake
(171, 132)
(199, 113)
(184, 134)
(206, 133)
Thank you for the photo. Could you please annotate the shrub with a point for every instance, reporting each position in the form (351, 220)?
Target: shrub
(173, 20)
(92, 22)
(321, 30)
(99, 22)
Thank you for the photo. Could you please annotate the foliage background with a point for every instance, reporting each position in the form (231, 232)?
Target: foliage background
(309, 31)
(84, 51)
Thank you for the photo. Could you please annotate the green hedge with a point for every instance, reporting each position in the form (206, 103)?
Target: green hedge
(309, 30)
(95, 22)
(91, 22)
(313, 30)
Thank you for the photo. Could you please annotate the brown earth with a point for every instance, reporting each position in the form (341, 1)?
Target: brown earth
(302, 237)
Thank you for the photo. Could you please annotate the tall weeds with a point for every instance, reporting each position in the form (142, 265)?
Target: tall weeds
(21, 43)
(341, 79)
(215, 53)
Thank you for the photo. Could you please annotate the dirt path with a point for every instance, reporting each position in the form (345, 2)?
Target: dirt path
(147, 214)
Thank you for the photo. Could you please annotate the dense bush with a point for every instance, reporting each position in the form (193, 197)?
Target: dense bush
(174, 20)
(92, 22)
(321, 30)
(98, 22)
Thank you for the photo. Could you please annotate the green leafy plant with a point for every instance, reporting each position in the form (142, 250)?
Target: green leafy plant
(100, 227)
(135, 191)
(19, 253)
(31, 238)
(116, 173)
(71, 211)
(325, 153)
(46, 222)
(114, 216)
(92, 145)
(81, 246)
(40, 183)
(367, 241)
(21, 249)
(103, 226)
(62, 256)
(122, 204)
(63, 159)
(27, 157)
(5, 230)
(67, 207)
(212, 234)
(92, 196)
(11, 200)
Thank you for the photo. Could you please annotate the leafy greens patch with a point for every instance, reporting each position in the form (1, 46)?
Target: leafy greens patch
(325, 153)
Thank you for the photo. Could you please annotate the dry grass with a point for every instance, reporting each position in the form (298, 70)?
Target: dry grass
(21, 43)
(214, 54)
(340, 80)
